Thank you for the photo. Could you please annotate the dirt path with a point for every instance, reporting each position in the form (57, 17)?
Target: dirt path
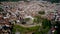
(29, 25)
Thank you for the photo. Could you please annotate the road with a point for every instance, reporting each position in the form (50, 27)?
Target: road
(50, 32)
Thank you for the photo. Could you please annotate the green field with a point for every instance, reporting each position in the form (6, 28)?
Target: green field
(24, 29)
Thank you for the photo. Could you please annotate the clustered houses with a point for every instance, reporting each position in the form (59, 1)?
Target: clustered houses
(58, 16)
(14, 12)
(18, 10)
(29, 8)
(5, 24)
(54, 15)
(50, 16)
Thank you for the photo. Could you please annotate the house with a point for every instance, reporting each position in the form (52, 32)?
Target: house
(4, 26)
(51, 16)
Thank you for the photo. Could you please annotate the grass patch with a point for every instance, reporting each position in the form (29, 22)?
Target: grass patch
(24, 29)
(26, 19)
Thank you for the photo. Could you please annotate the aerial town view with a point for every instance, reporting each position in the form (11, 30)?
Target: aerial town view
(29, 16)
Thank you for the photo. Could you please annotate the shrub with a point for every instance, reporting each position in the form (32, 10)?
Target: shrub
(41, 12)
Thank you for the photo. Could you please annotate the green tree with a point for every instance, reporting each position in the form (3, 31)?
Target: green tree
(46, 23)
(37, 19)
(55, 1)
(1, 10)
(41, 12)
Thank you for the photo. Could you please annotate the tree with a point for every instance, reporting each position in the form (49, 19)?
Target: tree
(12, 0)
(41, 12)
(1, 10)
(37, 19)
(46, 23)
(55, 1)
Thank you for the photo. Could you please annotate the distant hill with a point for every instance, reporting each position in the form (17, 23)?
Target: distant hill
(53, 1)
(9, 0)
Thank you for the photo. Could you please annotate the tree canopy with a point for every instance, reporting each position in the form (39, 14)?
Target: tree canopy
(1, 10)
(12, 0)
(55, 1)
